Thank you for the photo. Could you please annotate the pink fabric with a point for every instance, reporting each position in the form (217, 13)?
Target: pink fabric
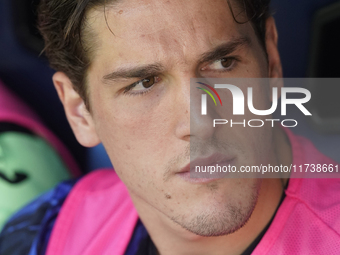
(308, 221)
(98, 216)
(13, 110)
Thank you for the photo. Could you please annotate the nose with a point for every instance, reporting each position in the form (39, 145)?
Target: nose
(191, 124)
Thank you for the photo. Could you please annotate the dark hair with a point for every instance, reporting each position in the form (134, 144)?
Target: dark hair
(61, 23)
(257, 12)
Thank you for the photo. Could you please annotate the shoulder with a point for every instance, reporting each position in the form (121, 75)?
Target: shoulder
(53, 218)
(308, 220)
(27, 230)
(319, 198)
(317, 193)
(99, 199)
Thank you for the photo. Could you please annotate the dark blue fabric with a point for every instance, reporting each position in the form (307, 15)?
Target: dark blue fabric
(28, 231)
(140, 233)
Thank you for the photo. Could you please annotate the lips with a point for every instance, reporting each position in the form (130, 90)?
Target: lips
(216, 158)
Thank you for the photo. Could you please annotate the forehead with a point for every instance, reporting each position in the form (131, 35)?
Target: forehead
(136, 31)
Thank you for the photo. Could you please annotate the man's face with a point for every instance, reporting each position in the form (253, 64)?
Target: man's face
(145, 127)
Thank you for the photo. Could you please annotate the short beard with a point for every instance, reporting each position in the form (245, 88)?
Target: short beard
(219, 223)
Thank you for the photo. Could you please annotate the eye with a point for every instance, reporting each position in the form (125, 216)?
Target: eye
(142, 86)
(221, 64)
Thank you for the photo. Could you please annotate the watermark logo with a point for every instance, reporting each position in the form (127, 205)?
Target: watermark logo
(204, 97)
(239, 101)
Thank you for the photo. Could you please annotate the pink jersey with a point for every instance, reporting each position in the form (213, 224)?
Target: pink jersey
(98, 216)
(308, 221)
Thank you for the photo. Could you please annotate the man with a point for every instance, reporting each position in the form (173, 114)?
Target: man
(124, 70)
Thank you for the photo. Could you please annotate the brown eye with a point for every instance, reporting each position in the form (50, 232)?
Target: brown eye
(142, 86)
(148, 82)
(227, 62)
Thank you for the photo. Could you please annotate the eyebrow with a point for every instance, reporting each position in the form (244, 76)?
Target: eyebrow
(225, 49)
(135, 72)
(154, 69)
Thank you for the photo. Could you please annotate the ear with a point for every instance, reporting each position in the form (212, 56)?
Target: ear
(275, 67)
(77, 115)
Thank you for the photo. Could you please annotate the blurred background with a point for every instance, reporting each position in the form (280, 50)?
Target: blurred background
(308, 39)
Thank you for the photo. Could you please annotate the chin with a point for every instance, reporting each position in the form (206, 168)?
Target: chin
(218, 218)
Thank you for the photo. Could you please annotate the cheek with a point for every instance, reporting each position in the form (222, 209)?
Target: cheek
(133, 129)
(136, 137)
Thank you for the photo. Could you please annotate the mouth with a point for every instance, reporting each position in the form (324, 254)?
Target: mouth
(189, 174)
